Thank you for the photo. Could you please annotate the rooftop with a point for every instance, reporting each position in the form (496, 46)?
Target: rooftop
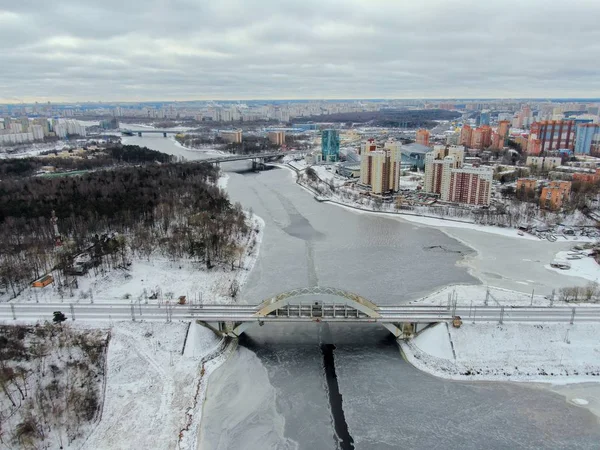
(415, 148)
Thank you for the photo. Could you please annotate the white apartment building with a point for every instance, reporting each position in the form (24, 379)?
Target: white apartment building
(38, 132)
(543, 162)
(380, 168)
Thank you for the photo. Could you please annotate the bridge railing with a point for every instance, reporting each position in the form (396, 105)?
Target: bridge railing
(32, 312)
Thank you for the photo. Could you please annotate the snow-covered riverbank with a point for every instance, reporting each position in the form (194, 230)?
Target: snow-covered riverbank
(558, 353)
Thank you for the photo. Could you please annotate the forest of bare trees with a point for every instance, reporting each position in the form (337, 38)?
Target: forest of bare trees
(173, 209)
(115, 155)
(51, 379)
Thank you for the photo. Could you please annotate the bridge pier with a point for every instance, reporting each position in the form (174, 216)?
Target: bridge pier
(404, 330)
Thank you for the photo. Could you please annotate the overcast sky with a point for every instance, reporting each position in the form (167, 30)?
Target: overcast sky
(109, 50)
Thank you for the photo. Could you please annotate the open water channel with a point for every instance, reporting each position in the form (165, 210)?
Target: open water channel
(273, 393)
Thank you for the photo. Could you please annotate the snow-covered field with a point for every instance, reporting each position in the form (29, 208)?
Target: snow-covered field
(206, 150)
(554, 353)
(154, 385)
(477, 295)
(156, 280)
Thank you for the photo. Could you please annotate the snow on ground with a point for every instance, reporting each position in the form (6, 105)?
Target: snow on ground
(586, 267)
(155, 388)
(157, 277)
(222, 181)
(555, 353)
(298, 165)
(42, 385)
(152, 383)
(34, 149)
(206, 150)
(435, 341)
(475, 295)
(329, 176)
(501, 231)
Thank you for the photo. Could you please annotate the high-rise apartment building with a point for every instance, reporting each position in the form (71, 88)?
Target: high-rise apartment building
(484, 118)
(380, 168)
(481, 137)
(43, 122)
(465, 135)
(277, 137)
(367, 146)
(38, 132)
(231, 136)
(445, 175)
(497, 141)
(24, 124)
(434, 165)
(330, 145)
(422, 137)
(503, 128)
(470, 185)
(554, 134)
(394, 153)
(587, 140)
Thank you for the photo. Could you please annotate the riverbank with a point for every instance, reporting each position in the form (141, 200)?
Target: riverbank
(158, 372)
(556, 353)
(207, 151)
(161, 371)
(501, 257)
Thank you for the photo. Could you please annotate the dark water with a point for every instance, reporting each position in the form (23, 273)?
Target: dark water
(336, 403)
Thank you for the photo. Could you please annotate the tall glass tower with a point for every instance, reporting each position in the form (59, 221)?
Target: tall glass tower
(330, 145)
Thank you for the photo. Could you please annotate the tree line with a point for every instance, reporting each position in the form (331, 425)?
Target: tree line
(94, 159)
(174, 209)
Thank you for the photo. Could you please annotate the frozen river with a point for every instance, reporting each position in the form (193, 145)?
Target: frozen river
(272, 394)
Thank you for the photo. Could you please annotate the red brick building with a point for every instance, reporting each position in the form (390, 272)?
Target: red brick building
(554, 134)
(423, 137)
(470, 185)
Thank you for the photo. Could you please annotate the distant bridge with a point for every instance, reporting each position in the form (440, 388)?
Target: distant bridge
(255, 157)
(345, 307)
(128, 132)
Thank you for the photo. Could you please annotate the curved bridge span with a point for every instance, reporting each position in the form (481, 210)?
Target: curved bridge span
(344, 306)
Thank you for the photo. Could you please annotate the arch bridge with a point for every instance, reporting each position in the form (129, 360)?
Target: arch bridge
(344, 306)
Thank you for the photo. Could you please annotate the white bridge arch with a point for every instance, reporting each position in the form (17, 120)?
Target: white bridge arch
(346, 306)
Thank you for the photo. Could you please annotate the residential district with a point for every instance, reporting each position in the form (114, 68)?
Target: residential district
(469, 154)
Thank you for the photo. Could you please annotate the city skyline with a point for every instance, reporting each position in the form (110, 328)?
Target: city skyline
(313, 50)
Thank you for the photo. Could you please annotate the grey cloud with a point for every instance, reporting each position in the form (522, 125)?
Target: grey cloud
(186, 49)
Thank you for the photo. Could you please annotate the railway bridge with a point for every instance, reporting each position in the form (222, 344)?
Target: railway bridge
(310, 304)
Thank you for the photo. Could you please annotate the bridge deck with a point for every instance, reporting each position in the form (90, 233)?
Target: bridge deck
(338, 312)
